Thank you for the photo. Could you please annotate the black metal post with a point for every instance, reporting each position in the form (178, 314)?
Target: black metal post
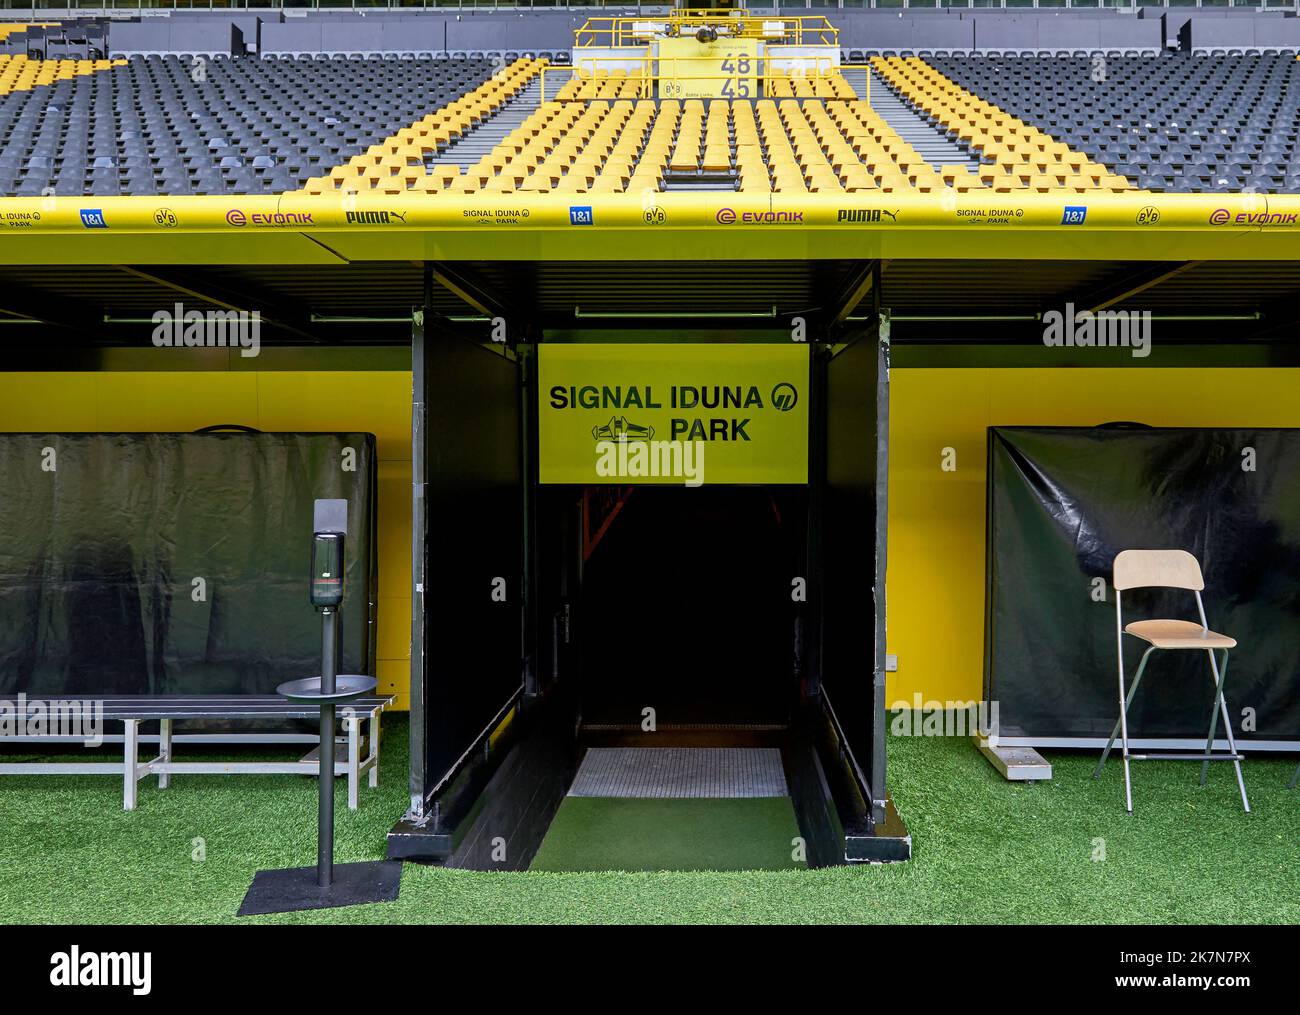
(294, 889)
(325, 822)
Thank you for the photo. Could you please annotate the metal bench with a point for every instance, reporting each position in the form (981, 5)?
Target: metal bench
(86, 712)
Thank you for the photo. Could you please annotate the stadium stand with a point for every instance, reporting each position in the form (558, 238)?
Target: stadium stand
(1019, 155)
(1171, 123)
(398, 163)
(154, 125)
(888, 120)
(812, 135)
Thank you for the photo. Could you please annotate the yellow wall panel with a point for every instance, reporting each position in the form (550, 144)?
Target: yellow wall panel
(394, 524)
(393, 640)
(925, 617)
(935, 573)
(181, 400)
(378, 402)
(26, 403)
(394, 677)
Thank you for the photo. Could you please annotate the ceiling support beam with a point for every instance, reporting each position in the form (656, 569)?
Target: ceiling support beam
(196, 286)
(53, 310)
(1134, 285)
(476, 292)
(863, 281)
(469, 289)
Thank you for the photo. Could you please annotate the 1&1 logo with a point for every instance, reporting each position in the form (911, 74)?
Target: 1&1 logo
(784, 397)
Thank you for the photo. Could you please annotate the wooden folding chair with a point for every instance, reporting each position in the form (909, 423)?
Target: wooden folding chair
(1170, 569)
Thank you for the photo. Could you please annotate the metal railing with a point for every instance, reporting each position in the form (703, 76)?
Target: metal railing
(631, 31)
(743, 85)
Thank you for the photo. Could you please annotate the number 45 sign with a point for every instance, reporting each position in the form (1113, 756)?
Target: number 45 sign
(725, 69)
(742, 85)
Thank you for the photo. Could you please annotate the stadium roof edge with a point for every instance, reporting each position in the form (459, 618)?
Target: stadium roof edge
(302, 228)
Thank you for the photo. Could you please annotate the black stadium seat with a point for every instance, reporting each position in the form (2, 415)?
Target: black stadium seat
(149, 127)
(1175, 122)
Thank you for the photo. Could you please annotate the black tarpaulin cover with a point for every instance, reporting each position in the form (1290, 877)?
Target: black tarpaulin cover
(102, 538)
(1063, 501)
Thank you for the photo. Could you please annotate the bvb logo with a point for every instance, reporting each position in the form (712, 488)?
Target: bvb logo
(784, 397)
(1148, 216)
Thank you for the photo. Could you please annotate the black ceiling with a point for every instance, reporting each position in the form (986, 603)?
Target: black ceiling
(321, 304)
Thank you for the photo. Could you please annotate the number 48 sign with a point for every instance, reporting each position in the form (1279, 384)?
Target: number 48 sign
(725, 69)
(742, 85)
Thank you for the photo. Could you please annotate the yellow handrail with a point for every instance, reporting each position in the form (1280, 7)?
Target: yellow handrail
(830, 70)
(619, 31)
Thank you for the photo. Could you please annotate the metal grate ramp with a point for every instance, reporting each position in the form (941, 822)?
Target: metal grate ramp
(681, 772)
(931, 142)
(483, 139)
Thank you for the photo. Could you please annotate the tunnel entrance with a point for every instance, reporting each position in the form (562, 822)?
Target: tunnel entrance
(686, 644)
(685, 616)
(621, 664)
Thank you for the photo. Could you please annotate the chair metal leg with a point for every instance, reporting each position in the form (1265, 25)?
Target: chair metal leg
(1214, 710)
(1121, 726)
(1227, 728)
(1123, 729)
(1116, 731)
(1295, 779)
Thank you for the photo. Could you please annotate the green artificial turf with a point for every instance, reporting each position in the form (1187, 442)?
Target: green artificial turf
(984, 850)
(620, 834)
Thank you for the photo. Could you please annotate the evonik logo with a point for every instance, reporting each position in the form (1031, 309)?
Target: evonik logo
(75, 968)
(1221, 216)
(237, 217)
(728, 216)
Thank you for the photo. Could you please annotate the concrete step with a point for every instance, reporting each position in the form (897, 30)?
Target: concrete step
(857, 77)
(930, 140)
(481, 140)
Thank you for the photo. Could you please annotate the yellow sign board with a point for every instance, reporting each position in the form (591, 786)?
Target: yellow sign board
(725, 69)
(673, 414)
